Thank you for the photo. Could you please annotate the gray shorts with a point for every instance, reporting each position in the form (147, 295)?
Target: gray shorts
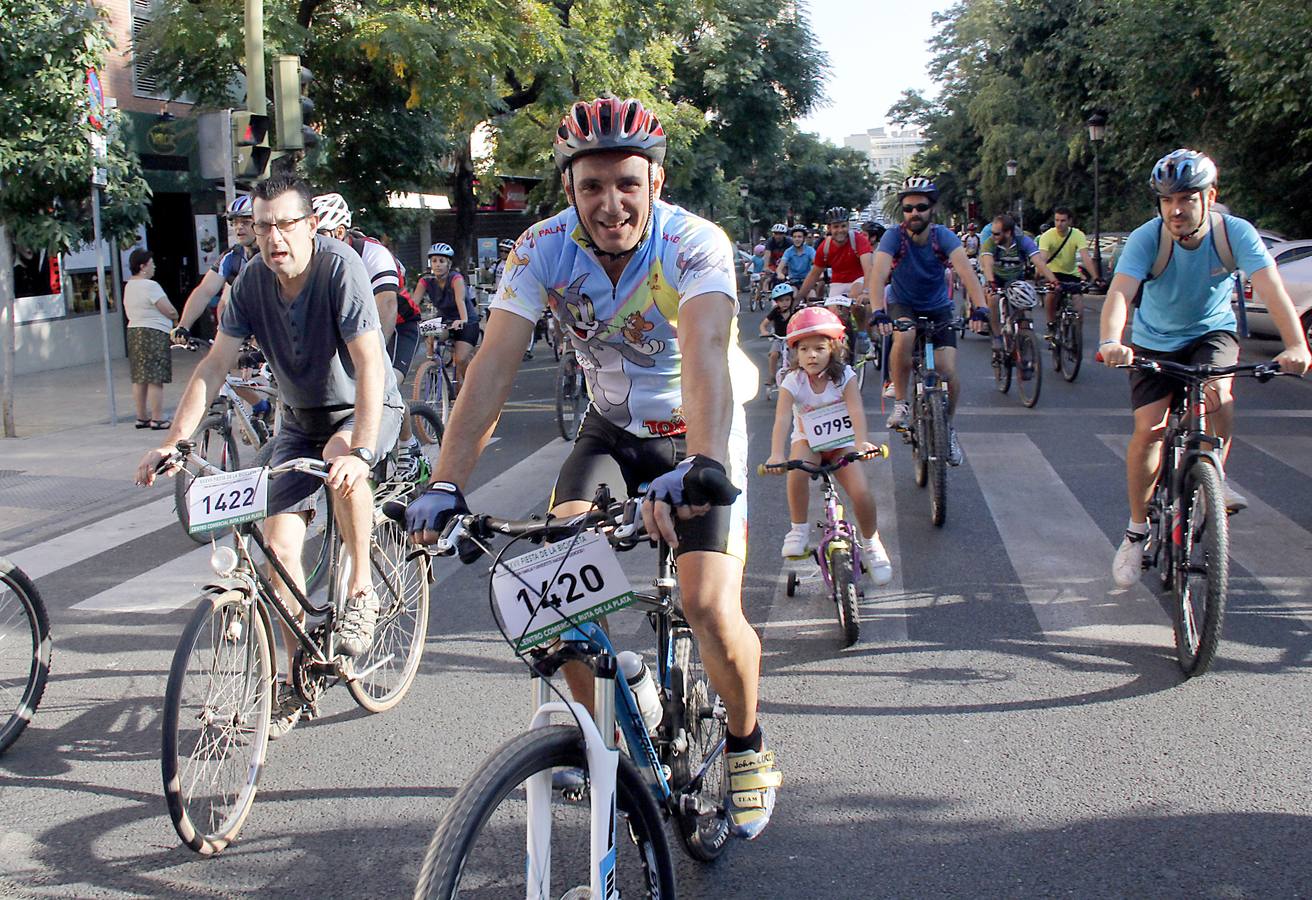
(294, 491)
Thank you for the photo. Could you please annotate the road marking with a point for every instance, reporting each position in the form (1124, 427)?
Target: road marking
(177, 582)
(1117, 411)
(91, 540)
(1062, 558)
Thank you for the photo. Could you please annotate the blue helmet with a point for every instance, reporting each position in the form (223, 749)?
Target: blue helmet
(782, 289)
(1182, 170)
(241, 208)
(440, 249)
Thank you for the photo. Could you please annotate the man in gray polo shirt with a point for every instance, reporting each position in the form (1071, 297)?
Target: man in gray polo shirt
(307, 300)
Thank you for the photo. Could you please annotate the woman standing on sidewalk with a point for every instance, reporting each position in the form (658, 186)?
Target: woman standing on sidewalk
(150, 318)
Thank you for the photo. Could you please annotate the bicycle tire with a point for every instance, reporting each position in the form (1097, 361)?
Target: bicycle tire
(920, 440)
(425, 423)
(22, 612)
(1002, 368)
(569, 385)
(217, 445)
(695, 701)
(447, 863)
(1027, 351)
(314, 551)
(845, 593)
(1205, 531)
(1072, 344)
(401, 582)
(425, 390)
(938, 457)
(241, 630)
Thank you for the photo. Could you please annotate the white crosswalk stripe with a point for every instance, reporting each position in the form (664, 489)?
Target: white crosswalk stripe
(91, 540)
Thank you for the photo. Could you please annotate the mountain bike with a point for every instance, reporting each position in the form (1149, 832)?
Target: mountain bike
(1188, 529)
(434, 380)
(564, 791)
(221, 682)
(1020, 347)
(571, 395)
(1067, 336)
(928, 430)
(24, 651)
(839, 552)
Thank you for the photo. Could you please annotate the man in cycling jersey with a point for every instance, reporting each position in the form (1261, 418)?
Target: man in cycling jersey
(1184, 315)
(911, 259)
(846, 252)
(308, 301)
(797, 260)
(1006, 256)
(208, 293)
(619, 267)
(1065, 249)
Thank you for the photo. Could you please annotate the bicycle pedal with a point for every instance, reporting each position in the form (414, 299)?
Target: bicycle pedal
(310, 711)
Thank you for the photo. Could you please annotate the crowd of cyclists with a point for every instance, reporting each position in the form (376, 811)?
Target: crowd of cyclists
(647, 293)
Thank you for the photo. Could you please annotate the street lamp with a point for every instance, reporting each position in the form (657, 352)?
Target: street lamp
(747, 209)
(1097, 130)
(1012, 166)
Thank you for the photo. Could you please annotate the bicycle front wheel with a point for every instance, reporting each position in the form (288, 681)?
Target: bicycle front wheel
(698, 718)
(401, 582)
(216, 720)
(846, 597)
(478, 849)
(1029, 367)
(938, 457)
(1202, 568)
(1072, 347)
(920, 440)
(428, 391)
(571, 397)
(425, 423)
(24, 651)
(217, 445)
(1002, 368)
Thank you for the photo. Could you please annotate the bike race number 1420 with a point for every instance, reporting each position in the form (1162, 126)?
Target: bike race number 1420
(828, 427)
(228, 498)
(579, 579)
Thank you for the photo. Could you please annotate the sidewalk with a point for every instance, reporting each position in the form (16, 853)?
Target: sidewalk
(69, 466)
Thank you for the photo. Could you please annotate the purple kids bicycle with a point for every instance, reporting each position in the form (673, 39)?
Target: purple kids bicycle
(839, 552)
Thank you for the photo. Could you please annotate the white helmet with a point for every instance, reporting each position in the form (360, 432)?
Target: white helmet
(332, 211)
(1021, 295)
(442, 250)
(778, 228)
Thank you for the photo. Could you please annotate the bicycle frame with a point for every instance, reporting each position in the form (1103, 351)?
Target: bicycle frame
(837, 528)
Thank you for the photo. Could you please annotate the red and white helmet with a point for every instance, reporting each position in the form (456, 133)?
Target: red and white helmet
(609, 123)
(814, 320)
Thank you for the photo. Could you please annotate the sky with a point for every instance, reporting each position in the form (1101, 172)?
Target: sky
(877, 49)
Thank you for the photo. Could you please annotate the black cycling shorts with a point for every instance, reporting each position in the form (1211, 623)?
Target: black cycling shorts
(401, 348)
(944, 336)
(468, 334)
(1216, 348)
(723, 529)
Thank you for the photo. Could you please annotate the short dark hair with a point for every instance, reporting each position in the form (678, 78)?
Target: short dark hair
(1004, 222)
(138, 259)
(1064, 211)
(280, 183)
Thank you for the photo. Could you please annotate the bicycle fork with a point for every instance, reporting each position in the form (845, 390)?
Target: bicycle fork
(603, 758)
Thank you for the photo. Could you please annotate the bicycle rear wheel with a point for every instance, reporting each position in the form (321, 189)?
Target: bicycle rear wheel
(845, 592)
(401, 581)
(699, 720)
(1029, 367)
(425, 423)
(571, 397)
(478, 849)
(216, 720)
(1072, 346)
(24, 651)
(217, 445)
(1202, 568)
(938, 457)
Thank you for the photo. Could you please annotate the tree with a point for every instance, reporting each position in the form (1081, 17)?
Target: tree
(45, 154)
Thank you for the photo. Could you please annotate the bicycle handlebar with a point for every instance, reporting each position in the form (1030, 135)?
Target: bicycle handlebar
(185, 450)
(1263, 372)
(957, 323)
(438, 328)
(620, 522)
(880, 452)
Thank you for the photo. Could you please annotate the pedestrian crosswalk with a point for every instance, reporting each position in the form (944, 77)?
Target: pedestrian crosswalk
(1053, 547)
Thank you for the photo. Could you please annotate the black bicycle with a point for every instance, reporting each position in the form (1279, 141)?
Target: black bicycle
(220, 691)
(1066, 340)
(1020, 346)
(928, 431)
(1188, 532)
(24, 651)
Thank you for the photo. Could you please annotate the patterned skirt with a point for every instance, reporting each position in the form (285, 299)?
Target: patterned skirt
(148, 353)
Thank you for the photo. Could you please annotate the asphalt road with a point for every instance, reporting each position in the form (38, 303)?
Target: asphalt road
(1008, 725)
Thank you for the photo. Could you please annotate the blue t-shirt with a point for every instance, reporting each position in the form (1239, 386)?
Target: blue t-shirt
(798, 262)
(758, 263)
(918, 280)
(1192, 296)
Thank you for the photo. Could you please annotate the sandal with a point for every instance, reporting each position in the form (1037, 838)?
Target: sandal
(143, 423)
(159, 424)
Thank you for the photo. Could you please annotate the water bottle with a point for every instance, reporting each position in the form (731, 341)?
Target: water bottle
(643, 687)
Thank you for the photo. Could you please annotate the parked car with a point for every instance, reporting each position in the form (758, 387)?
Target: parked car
(1295, 267)
(1271, 238)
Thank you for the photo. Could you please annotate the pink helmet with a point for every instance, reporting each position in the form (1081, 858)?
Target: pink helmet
(814, 320)
(759, 249)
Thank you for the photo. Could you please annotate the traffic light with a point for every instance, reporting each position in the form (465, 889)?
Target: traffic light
(292, 109)
(250, 141)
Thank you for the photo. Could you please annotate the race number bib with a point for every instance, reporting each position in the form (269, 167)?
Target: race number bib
(828, 427)
(229, 498)
(579, 579)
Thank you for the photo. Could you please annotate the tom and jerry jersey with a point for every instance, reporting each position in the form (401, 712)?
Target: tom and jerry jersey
(626, 335)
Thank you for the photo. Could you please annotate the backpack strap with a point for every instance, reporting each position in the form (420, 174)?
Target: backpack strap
(1165, 246)
(1221, 241)
(903, 246)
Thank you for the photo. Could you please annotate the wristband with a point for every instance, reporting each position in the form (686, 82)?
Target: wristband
(1108, 341)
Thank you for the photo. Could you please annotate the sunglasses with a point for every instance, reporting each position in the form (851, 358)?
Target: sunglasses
(916, 207)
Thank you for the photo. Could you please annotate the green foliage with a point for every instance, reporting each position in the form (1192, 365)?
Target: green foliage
(806, 178)
(46, 48)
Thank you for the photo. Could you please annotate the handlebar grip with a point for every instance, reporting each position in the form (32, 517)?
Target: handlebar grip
(763, 469)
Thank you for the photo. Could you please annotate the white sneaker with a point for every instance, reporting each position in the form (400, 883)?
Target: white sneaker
(954, 447)
(1127, 565)
(901, 412)
(1234, 501)
(876, 561)
(795, 541)
(889, 392)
